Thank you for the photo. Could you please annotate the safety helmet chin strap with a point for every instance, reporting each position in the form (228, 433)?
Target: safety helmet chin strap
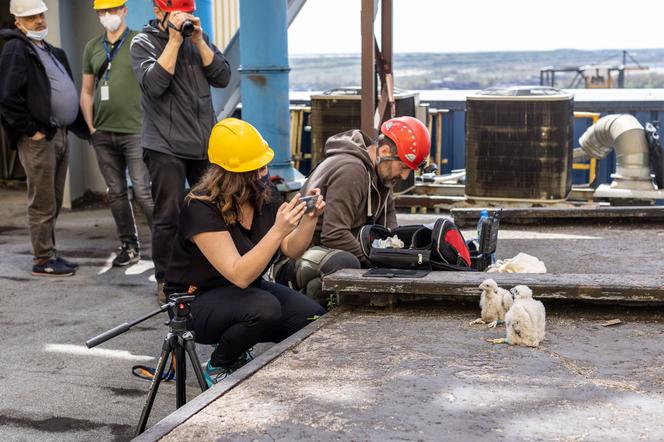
(164, 22)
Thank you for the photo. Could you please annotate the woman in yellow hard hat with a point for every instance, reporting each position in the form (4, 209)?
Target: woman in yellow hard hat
(231, 229)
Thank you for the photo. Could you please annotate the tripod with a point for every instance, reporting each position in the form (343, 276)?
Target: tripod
(178, 341)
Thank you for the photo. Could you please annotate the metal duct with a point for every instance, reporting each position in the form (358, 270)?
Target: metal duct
(628, 136)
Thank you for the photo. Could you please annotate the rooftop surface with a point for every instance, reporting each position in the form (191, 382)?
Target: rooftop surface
(426, 374)
(424, 366)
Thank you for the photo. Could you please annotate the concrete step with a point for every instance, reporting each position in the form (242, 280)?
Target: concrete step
(468, 217)
(352, 288)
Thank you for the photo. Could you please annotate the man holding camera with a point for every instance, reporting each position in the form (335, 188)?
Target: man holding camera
(175, 65)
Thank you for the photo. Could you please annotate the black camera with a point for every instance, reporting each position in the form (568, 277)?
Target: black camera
(187, 28)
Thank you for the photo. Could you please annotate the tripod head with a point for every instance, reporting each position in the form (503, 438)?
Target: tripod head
(179, 307)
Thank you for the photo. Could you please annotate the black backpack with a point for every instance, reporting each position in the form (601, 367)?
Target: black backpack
(440, 246)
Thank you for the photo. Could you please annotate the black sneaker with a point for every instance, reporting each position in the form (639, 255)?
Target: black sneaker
(52, 267)
(127, 254)
(68, 263)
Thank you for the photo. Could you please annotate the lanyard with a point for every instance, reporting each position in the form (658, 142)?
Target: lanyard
(110, 53)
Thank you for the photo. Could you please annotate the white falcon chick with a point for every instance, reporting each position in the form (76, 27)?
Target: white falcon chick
(525, 322)
(494, 302)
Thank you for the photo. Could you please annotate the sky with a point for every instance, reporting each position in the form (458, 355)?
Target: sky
(333, 26)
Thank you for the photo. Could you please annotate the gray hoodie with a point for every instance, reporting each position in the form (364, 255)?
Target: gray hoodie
(353, 193)
(177, 109)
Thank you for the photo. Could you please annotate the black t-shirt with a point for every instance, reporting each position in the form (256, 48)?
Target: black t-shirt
(188, 266)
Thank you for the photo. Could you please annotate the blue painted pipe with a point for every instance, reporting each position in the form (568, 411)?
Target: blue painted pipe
(142, 11)
(205, 11)
(264, 77)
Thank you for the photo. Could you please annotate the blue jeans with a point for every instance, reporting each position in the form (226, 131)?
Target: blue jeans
(117, 153)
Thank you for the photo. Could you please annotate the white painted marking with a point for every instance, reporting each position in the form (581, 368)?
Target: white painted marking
(107, 265)
(80, 350)
(140, 267)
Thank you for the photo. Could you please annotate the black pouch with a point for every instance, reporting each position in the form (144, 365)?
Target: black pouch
(401, 258)
(377, 272)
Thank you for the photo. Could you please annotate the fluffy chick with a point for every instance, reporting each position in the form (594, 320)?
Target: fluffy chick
(526, 321)
(494, 302)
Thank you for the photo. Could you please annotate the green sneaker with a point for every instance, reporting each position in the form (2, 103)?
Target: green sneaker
(213, 374)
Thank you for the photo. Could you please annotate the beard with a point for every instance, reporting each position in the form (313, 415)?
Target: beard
(388, 182)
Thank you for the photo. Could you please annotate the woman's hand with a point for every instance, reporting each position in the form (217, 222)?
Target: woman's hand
(289, 215)
(320, 203)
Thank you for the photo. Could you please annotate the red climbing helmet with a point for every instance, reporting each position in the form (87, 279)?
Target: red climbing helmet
(411, 137)
(176, 5)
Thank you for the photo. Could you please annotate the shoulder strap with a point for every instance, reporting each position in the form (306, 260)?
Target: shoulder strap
(104, 65)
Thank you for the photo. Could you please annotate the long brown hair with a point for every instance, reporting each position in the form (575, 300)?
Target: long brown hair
(228, 191)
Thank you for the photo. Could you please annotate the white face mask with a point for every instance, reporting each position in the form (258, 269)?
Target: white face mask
(110, 22)
(37, 35)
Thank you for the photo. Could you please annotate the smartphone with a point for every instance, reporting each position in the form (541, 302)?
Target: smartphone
(311, 201)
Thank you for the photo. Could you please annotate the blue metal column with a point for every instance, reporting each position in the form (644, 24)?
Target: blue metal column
(264, 78)
(140, 13)
(205, 11)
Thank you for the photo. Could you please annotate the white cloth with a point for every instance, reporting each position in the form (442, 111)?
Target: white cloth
(521, 263)
(388, 243)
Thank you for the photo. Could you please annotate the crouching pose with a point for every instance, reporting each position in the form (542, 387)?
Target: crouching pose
(356, 178)
(230, 230)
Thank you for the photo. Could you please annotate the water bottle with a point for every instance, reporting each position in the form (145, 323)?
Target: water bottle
(484, 217)
(483, 240)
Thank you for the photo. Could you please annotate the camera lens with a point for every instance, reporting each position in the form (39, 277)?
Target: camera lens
(187, 28)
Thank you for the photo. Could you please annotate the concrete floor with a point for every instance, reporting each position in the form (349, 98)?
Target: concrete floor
(49, 391)
(427, 375)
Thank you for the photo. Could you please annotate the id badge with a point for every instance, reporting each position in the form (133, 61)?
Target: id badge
(104, 92)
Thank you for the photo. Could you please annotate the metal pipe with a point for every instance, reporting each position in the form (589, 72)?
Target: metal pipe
(264, 78)
(368, 105)
(628, 136)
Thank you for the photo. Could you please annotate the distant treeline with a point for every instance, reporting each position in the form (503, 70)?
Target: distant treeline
(472, 70)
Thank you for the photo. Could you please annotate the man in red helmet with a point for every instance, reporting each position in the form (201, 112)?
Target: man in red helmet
(356, 179)
(175, 64)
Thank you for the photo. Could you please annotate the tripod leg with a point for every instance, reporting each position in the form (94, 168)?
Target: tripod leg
(166, 350)
(180, 375)
(190, 348)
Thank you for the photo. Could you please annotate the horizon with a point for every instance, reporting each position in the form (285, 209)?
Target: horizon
(345, 54)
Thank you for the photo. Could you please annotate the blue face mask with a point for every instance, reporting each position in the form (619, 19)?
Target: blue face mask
(264, 181)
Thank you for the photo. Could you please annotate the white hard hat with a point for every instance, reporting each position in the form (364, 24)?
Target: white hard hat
(26, 8)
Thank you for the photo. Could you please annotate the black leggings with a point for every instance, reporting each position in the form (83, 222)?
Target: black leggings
(238, 318)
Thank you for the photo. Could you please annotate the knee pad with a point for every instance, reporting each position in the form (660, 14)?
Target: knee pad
(313, 260)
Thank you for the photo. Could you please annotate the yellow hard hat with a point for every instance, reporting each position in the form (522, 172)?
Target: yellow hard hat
(237, 146)
(108, 4)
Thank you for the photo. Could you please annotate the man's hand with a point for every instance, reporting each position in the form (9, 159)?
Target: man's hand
(176, 19)
(197, 36)
(38, 136)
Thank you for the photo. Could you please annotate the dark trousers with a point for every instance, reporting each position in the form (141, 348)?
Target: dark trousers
(168, 175)
(45, 163)
(238, 318)
(118, 153)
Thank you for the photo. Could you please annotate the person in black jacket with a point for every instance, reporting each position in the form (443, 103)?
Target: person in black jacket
(175, 74)
(38, 105)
